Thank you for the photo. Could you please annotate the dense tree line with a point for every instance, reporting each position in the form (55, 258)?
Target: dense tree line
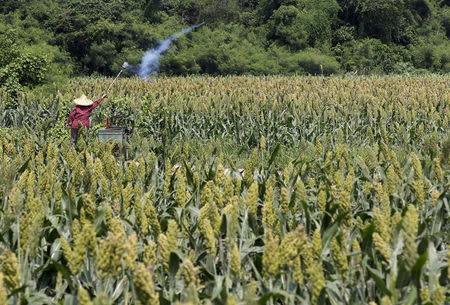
(44, 39)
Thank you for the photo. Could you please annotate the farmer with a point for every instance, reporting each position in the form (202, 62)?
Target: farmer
(79, 116)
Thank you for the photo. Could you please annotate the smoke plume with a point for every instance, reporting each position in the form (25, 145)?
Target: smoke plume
(151, 60)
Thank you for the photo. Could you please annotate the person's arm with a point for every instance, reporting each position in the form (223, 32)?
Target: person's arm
(97, 102)
(71, 117)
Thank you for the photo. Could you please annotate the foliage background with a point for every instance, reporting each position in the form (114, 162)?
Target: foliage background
(46, 41)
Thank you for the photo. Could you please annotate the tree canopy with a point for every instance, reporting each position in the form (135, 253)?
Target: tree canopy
(84, 37)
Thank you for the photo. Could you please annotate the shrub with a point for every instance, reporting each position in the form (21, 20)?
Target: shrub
(370, 56)
(288, 28)
(432, 57)
(313, 63)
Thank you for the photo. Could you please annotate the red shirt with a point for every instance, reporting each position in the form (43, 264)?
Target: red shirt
(80, 114)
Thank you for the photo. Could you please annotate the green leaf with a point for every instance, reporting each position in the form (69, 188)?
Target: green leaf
(174, 263)
(65, 272)
(417, 269)
(273, 155)
(23, 167)
(378, 278)
(331, 231)
(16, 291)
(268, 296)
(411, 298)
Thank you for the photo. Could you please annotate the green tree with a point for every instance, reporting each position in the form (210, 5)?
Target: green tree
(19, 69)
(11, 5)
(303, 23)
(288, 27)
(370, 56)
(249, 36)
(387, 20)
(435, 58)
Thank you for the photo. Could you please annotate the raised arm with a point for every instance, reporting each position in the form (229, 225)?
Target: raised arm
(97, 102)
(71, 117)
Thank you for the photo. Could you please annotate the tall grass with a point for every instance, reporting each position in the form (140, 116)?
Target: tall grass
(238, 190)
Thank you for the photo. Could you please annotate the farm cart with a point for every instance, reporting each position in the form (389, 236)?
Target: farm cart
(113, 132)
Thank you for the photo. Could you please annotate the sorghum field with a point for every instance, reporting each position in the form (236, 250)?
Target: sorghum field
(237, 190)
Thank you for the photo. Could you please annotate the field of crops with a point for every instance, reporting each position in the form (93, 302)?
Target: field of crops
(237, 190)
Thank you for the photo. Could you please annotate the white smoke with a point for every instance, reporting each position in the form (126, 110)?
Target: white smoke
(151, 60)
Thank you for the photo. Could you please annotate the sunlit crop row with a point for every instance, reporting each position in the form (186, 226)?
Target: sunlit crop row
(311, 191)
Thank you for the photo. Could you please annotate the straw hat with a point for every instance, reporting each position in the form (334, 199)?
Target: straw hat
(83, 101)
